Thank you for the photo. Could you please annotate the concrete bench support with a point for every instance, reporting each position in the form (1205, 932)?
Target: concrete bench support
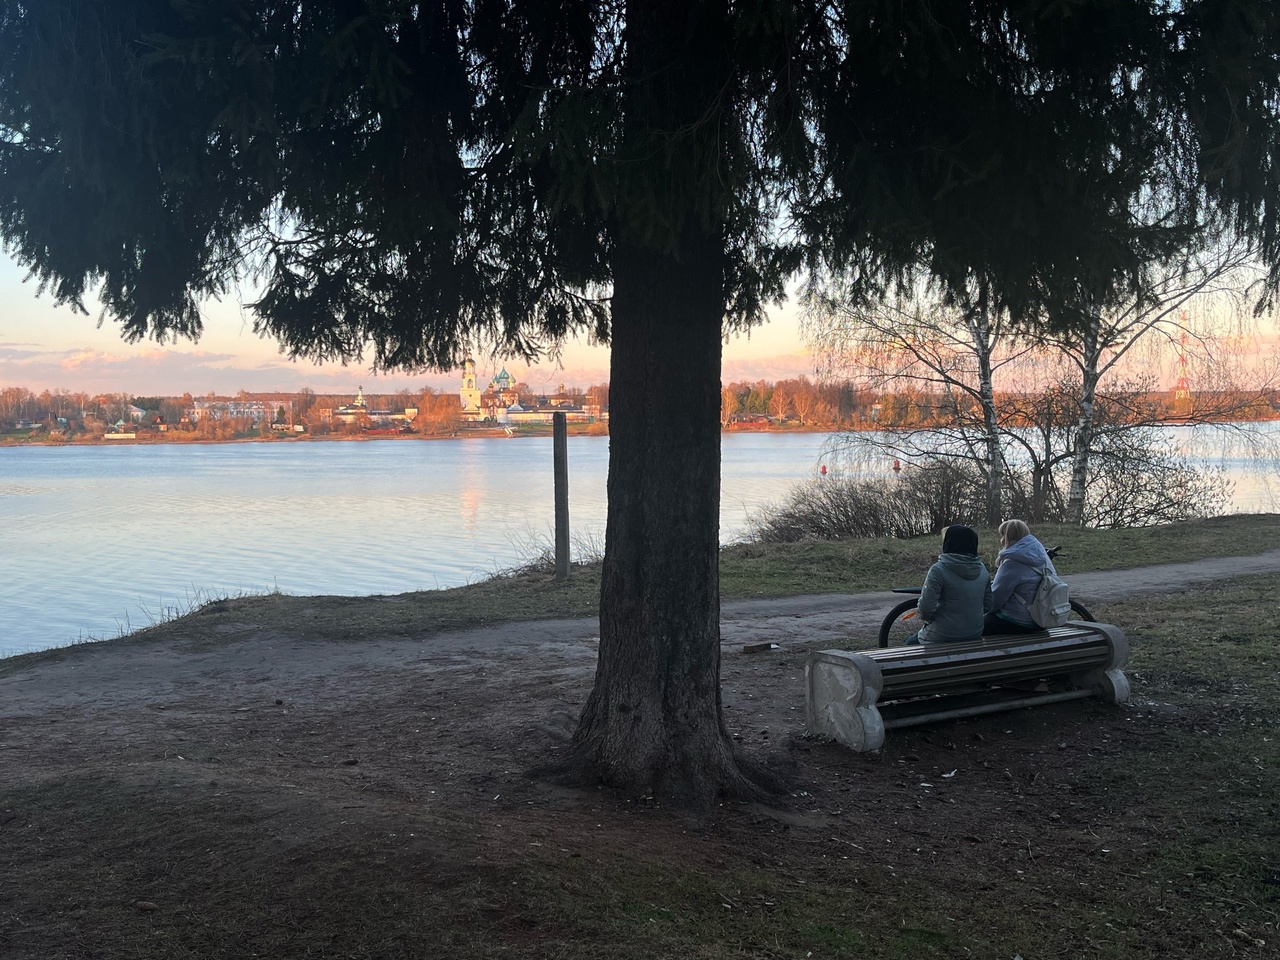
(854, 697)
(843, 688)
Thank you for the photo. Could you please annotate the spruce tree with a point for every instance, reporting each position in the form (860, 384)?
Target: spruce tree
(403, 179)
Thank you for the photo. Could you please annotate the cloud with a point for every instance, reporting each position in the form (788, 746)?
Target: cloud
(19, 352)
(91, 361)
(95, 371)
(70, 354)
(45, 346)
(781, 367)
(150, 370)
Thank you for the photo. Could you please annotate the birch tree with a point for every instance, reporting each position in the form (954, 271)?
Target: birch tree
(953, 347)
(1213, 278)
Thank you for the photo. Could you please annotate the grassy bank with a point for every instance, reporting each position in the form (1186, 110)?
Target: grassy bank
(747, 571)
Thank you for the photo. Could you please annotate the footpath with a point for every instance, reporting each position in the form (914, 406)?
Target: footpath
(807, 618)
(128, 673)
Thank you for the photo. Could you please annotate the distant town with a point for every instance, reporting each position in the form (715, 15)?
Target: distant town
(502, 406)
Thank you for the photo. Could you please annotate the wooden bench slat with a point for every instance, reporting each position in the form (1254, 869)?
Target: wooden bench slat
(846, 690)
(1058, 637)
(1093, 648)
(1057, 661)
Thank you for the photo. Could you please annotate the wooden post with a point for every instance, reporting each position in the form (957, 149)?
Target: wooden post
(560, 444)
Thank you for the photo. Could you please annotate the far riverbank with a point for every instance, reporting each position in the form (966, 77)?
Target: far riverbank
(488, 431)
(35, 438)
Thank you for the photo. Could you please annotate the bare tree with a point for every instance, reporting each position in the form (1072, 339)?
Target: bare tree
(967, 387)
(951, 348)
(804, 398)
(779, 401)
(1211, 282)
(728, 403)
(598, 394)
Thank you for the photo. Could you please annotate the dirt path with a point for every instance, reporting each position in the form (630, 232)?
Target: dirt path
(122, 674)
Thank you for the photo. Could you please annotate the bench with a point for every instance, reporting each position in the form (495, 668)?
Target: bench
(854, 697)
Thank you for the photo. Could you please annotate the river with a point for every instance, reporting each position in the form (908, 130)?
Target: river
(103, 540)
(98, 541)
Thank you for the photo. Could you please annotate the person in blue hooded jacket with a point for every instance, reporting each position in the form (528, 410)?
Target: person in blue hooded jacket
(1019, 568)
(955, 595)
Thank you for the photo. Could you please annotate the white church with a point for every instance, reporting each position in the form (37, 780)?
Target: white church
(500, 402)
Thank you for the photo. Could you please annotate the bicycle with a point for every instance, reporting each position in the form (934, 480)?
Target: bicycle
(897, 625)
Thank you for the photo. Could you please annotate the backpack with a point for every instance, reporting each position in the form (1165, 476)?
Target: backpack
(1051, 605)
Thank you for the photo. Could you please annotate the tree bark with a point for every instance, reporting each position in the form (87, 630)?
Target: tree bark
(652, 722)
(1090, 353)
(980, 333)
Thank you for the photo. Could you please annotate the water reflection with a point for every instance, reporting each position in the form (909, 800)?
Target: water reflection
(471, 498)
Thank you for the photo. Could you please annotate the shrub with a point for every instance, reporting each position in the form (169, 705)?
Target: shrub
(1138, 480)
(923, 500)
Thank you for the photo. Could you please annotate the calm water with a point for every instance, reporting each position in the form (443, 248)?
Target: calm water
(99, 540)
(95, 541)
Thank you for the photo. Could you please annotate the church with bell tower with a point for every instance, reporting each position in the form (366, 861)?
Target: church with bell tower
(492, 403)
(470, 393)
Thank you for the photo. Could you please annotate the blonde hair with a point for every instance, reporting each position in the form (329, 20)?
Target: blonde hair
(1011, 531)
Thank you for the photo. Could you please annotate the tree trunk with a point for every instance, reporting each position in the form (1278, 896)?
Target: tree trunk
(652, 722)
(980, 333)
(1089, 355)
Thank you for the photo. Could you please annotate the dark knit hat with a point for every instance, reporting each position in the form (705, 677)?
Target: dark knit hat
(960, 539)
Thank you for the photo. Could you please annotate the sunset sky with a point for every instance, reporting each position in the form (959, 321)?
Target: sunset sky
(47, 347)
(43, 346)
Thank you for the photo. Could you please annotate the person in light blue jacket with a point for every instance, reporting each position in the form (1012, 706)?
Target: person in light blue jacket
(955, 594)
(1019, 568)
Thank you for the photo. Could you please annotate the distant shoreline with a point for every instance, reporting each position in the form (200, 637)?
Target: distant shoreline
(521, 432)
(181, 441)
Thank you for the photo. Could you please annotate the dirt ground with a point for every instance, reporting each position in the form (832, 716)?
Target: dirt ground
(473, 688)
(396, 732)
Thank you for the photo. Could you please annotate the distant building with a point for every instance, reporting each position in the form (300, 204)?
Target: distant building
(357, 411)
(493, 403)
(469, 395)
(360, 413)
(120, 431)
(257, 412)
(500, 402)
